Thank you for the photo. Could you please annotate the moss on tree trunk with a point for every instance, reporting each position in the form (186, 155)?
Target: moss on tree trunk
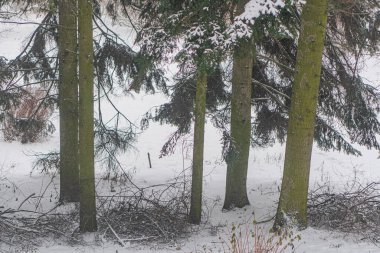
(199, 131)
(237, 160)
(302, 115)
(68, 100)
(86, 119)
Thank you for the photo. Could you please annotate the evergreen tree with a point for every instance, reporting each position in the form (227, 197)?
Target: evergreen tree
(228, 29)
(344, 95)
(68, 100)
(86, 119)
(115, 63)
(344, 98)
(302, 114)
(237, 159)
(197, 58)
(198, 147)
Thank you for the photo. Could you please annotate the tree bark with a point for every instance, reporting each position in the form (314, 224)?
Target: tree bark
(302, 115)
(198, 148)
(237, 160)
(68, 100)
(86, 119)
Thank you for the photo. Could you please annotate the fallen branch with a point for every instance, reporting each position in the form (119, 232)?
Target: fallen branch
(116, 235)
(353, 211)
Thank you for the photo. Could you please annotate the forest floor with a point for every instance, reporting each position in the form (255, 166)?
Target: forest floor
(18, 182)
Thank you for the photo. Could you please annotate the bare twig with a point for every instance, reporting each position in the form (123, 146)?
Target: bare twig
(31, 195)
(116, 235)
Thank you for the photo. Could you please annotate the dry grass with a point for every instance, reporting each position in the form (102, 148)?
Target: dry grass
(255, 239)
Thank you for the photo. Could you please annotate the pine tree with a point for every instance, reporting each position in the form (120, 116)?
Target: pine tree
(86, 119)
(68, 100)
(196, 59)
(302, 115)
(345, 97)
(198, 147)
(237, 158)
(227, 29)
(114, 60)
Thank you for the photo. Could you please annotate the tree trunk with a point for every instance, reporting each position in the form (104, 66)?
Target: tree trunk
(237, 160)
(199, 130)
(302, 115)
(86, 119)
(68, 100)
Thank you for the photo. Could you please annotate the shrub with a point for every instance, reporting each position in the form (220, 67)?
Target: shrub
(353, 210)
(28, 120)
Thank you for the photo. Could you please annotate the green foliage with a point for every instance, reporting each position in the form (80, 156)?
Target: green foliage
(115, 57)
(344, 97)
(112, 140)
(179, 111)
(116, 66)
(47, 163)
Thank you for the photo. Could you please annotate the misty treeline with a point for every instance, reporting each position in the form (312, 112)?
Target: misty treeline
(260, 71)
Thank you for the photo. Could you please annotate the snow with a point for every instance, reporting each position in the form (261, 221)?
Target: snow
(241, 27)
(265, 171)
(157, 40)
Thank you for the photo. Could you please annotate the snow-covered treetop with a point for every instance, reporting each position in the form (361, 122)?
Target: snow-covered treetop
(241, 28)
(202, 28)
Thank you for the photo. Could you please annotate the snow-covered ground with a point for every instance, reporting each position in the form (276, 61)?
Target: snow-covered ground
(264, 177)
(265, 170)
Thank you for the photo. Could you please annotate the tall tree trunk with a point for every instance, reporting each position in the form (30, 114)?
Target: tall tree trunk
(86, 119)
(237, 160)
(68, 100)
(199, 131)
(302, 115)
